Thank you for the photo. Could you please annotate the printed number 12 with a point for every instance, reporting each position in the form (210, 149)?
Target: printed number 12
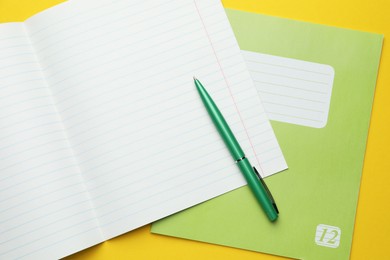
(332, 240)
(328, 236)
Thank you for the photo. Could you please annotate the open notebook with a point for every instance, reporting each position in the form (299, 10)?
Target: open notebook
(101, 128)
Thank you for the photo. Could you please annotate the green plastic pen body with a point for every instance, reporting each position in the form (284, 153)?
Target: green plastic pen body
(231, 142)
(258, 189)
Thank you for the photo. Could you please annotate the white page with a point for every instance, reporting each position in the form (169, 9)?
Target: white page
(44, 203)
(121, 73)
(292, 91)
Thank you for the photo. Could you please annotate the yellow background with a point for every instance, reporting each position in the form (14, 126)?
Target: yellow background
(372, 230)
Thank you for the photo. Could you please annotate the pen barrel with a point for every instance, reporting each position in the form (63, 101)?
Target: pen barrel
(220, 123)
(258, 189)
(254, 183)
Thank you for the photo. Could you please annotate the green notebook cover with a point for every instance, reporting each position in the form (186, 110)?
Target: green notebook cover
(317, 196)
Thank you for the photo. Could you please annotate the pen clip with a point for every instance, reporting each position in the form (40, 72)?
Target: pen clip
(267, 190)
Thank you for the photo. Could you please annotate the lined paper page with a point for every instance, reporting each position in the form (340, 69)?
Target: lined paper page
(42, 195)
(292, 91)
(121, 73)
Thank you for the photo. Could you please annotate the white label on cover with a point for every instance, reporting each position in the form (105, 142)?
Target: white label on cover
(292, 91)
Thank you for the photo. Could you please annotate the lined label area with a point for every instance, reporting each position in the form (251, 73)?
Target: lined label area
(292, 91)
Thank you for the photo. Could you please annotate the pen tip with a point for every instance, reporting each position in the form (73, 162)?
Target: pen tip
(195, 78)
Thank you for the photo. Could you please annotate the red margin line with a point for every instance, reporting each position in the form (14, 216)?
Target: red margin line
(228, 85)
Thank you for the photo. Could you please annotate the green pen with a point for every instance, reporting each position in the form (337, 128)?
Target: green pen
(253, 178)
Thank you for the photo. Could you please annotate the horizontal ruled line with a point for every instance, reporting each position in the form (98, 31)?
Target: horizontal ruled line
(297, 107)
(291, 116)
(287, 86)
(287, 67)
(285, 76)
(278, 94)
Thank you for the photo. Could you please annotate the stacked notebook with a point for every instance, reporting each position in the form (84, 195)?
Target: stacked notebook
(317, 84)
